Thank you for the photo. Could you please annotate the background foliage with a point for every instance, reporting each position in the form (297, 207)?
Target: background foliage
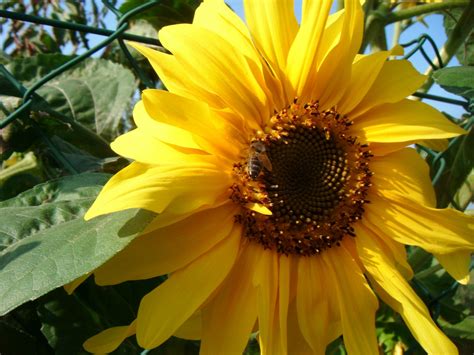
(55, 157)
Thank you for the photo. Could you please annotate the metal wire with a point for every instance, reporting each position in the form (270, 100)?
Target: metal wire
(76, 26)
(112, 35)
(420, 41)
(437, 157)
(464, 104)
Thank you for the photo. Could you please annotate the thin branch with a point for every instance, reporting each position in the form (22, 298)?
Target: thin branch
(424, 9)
(397, 31)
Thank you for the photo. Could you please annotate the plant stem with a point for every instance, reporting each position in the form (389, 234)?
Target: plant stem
(429, 271)
(424, 9)
(397, 31)
(457, 37)
(374, 33)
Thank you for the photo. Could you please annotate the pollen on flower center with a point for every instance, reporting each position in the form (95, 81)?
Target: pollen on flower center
(310, 173)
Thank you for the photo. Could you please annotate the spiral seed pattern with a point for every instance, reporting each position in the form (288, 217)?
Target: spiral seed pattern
(316, 188)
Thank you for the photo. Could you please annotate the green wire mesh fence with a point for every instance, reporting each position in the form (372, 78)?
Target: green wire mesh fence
(119, 35)
(29, 95)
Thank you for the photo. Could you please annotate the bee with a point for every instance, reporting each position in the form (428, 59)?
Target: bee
(257, 160)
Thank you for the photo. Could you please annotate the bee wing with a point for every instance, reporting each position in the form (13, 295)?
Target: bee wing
(266, 162)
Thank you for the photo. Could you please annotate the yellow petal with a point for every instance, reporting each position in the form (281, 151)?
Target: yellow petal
(258, 207)
(381, 149)
(334, 71)
(162, 131)
(230, 315)
(364, 73)
(399, 255)
(222, 69)
(403, 299)
(266, 281)
(395, 81)
(457, 264)
(170, 73)
(166, 308)
(331, 36)
(167, 217)
(302, 56)
(404, 121)
(175, 78)
(312, 303)
(108, 340)
(327, 53)
(438, 231)
(357, 302)
(154, 188)
(438, 145)
(217, 17)
(192, 116)
(71, 286)
(170, 248)
(140, 146)
(404, 173)
(273, 26)
(296, 342)
(192, 328)
(397, 50)
(355, 25)
(284, 285)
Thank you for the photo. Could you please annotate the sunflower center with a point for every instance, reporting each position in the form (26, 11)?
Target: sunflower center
(310, 174)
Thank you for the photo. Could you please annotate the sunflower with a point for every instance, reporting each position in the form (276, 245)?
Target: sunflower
(277, 162)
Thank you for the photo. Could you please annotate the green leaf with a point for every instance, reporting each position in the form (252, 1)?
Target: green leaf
(79, 159)
(459, 160)
(7, 88)
(166, 12)
(67, 321)
(69, 188)
(17, 184)
(20, 333)
(465, 53)
(48, 244)
(463, 329)
(252, 347)
(82, 161)
(54, 118)
(336, 347)
(95, 92)
(4, 58)
(457, 80)
(392, 332)
(17, 136)
(28, 70)
(465, 194)
(66, 324)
